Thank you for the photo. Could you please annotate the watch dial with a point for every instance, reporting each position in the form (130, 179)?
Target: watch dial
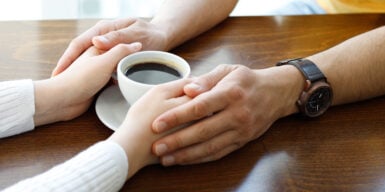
(319, 101)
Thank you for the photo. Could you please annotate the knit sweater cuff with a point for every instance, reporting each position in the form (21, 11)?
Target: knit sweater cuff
(17, 107)
(102, 167)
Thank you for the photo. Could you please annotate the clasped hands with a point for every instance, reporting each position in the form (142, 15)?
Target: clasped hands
(230, 105)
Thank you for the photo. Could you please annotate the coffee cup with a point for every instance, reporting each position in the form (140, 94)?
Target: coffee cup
(139, 72)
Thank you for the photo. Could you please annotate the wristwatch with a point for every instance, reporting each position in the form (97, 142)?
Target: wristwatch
(317, 95)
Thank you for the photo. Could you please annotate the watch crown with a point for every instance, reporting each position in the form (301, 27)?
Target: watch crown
(307, 85)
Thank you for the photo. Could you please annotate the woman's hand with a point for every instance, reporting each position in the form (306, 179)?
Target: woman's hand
(70, 93)
(135, 134)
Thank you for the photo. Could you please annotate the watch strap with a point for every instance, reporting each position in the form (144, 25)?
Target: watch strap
(307, 67)
(317, 95)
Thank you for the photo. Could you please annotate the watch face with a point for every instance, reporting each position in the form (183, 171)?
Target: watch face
(319, 100)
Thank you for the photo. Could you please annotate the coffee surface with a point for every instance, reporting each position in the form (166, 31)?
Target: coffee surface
(152, 73)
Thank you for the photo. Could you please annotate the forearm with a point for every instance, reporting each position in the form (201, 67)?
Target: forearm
(183, 20)
(356, 67)
(136, 141)
(16, 107)
(102, 167)
(45, 108)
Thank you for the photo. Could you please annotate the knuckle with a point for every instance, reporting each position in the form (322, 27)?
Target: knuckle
(242, 69)
(221, 67)
(236, 92)
(211, 149)
(173, 119)
(203, 133)
(245, 133)
(224, 67)
(245, 73)
(182, 157)
(177, 142)
(186, 156)
(222, 153)
(115, 34)
(200, 109)
(243, 115)
(116, 25)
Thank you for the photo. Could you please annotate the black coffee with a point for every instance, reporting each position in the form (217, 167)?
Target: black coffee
(152, 73)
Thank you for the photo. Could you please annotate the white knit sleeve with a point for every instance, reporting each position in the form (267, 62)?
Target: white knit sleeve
(102, 167)
(17, 107)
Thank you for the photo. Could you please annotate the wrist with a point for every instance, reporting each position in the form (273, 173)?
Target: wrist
(290, 83)
(136, 142)
(317, 94)
(46, 109)
(166, 31)
(129, 150)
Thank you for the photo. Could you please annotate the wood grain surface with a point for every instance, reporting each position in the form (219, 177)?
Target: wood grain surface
(344, 150)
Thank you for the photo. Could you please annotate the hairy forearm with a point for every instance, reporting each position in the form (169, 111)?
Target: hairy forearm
(356, 67)
(183, 20)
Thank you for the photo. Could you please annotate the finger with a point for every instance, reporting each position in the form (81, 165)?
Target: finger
(179, 100)
(111, 39)
(223, 152)
(202, 151)
(199, 132)
(200, 107)
(91, 51)
(84, 41)
(171, 93)
(106, 26)
(171, 89)
(118, 34)
(115, 54)
(74, 50)
(207, 81)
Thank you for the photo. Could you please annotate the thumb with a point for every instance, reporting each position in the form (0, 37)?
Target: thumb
(207, 81)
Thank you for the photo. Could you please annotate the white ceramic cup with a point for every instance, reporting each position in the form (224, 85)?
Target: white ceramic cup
(133, 90)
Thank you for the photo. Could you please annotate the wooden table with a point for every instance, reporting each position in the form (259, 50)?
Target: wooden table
(344, 150)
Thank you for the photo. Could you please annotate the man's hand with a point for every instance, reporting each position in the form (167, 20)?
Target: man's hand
(232, 106)
(109, 33)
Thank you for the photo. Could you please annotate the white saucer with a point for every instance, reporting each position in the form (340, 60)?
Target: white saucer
(111, 107)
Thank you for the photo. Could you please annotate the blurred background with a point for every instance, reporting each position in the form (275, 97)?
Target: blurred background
(82, 9)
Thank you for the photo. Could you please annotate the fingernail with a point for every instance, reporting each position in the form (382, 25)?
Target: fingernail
(161, 126)
(194, 86)
(168, 160)
(136, 45)
(103, 39)
(160, 149)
